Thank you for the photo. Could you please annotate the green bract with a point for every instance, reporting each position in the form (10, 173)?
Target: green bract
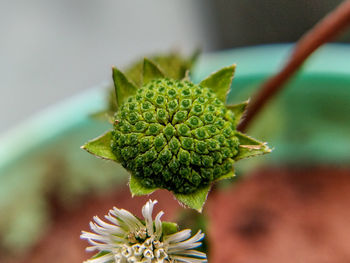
(175, 134)
(173, 64)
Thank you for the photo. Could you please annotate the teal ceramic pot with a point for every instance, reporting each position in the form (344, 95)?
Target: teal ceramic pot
(308, 123)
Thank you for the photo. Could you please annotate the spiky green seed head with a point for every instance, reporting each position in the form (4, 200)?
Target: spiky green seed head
(175, 135)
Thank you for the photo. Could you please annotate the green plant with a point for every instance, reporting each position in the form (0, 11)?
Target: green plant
(175, 134)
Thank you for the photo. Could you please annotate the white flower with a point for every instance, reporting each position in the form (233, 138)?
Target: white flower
(125, 238)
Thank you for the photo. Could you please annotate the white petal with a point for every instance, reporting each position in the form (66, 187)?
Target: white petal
(105, 258)
(147, 210)
(102, 238)
(158, 224)
(192, 252)
(178, 236)
(187, 259)
(116, 229)
(133, 223)
(116, 221)
(99, 246)
(187, 244)
(88, 235)
(97, 229)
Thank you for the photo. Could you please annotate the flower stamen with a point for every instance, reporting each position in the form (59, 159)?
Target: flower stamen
(131, 240)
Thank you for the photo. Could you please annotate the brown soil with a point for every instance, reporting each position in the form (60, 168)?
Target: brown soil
(283, 215)
(274, 215)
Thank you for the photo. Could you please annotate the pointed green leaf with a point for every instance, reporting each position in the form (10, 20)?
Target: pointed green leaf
(187, 76)
(194, 200)
(123, 87)
(101, 147)
(151, 71)
(238, 110)
(136, 188)
(194, 57)
(104, 115)
(227, 176)
(220, 81)
(169, 228)
(250, 147)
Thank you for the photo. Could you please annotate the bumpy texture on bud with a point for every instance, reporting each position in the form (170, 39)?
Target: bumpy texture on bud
(175, 135)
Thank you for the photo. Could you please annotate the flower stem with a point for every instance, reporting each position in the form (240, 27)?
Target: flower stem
(325, 30)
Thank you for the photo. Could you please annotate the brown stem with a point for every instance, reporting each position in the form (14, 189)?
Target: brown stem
(324, 31)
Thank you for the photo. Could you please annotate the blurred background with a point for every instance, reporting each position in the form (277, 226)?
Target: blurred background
(50, 50)
(295, 199)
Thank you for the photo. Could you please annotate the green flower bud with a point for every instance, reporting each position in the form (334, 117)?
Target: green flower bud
(183, 130)
(175, 134)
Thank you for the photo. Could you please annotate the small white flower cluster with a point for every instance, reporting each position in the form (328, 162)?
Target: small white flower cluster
(127, 239)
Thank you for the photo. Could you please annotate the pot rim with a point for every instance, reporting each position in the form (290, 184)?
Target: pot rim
(262, 60)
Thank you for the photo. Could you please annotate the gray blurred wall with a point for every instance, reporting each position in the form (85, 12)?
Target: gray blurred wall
(245, 23)
(50, 50)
